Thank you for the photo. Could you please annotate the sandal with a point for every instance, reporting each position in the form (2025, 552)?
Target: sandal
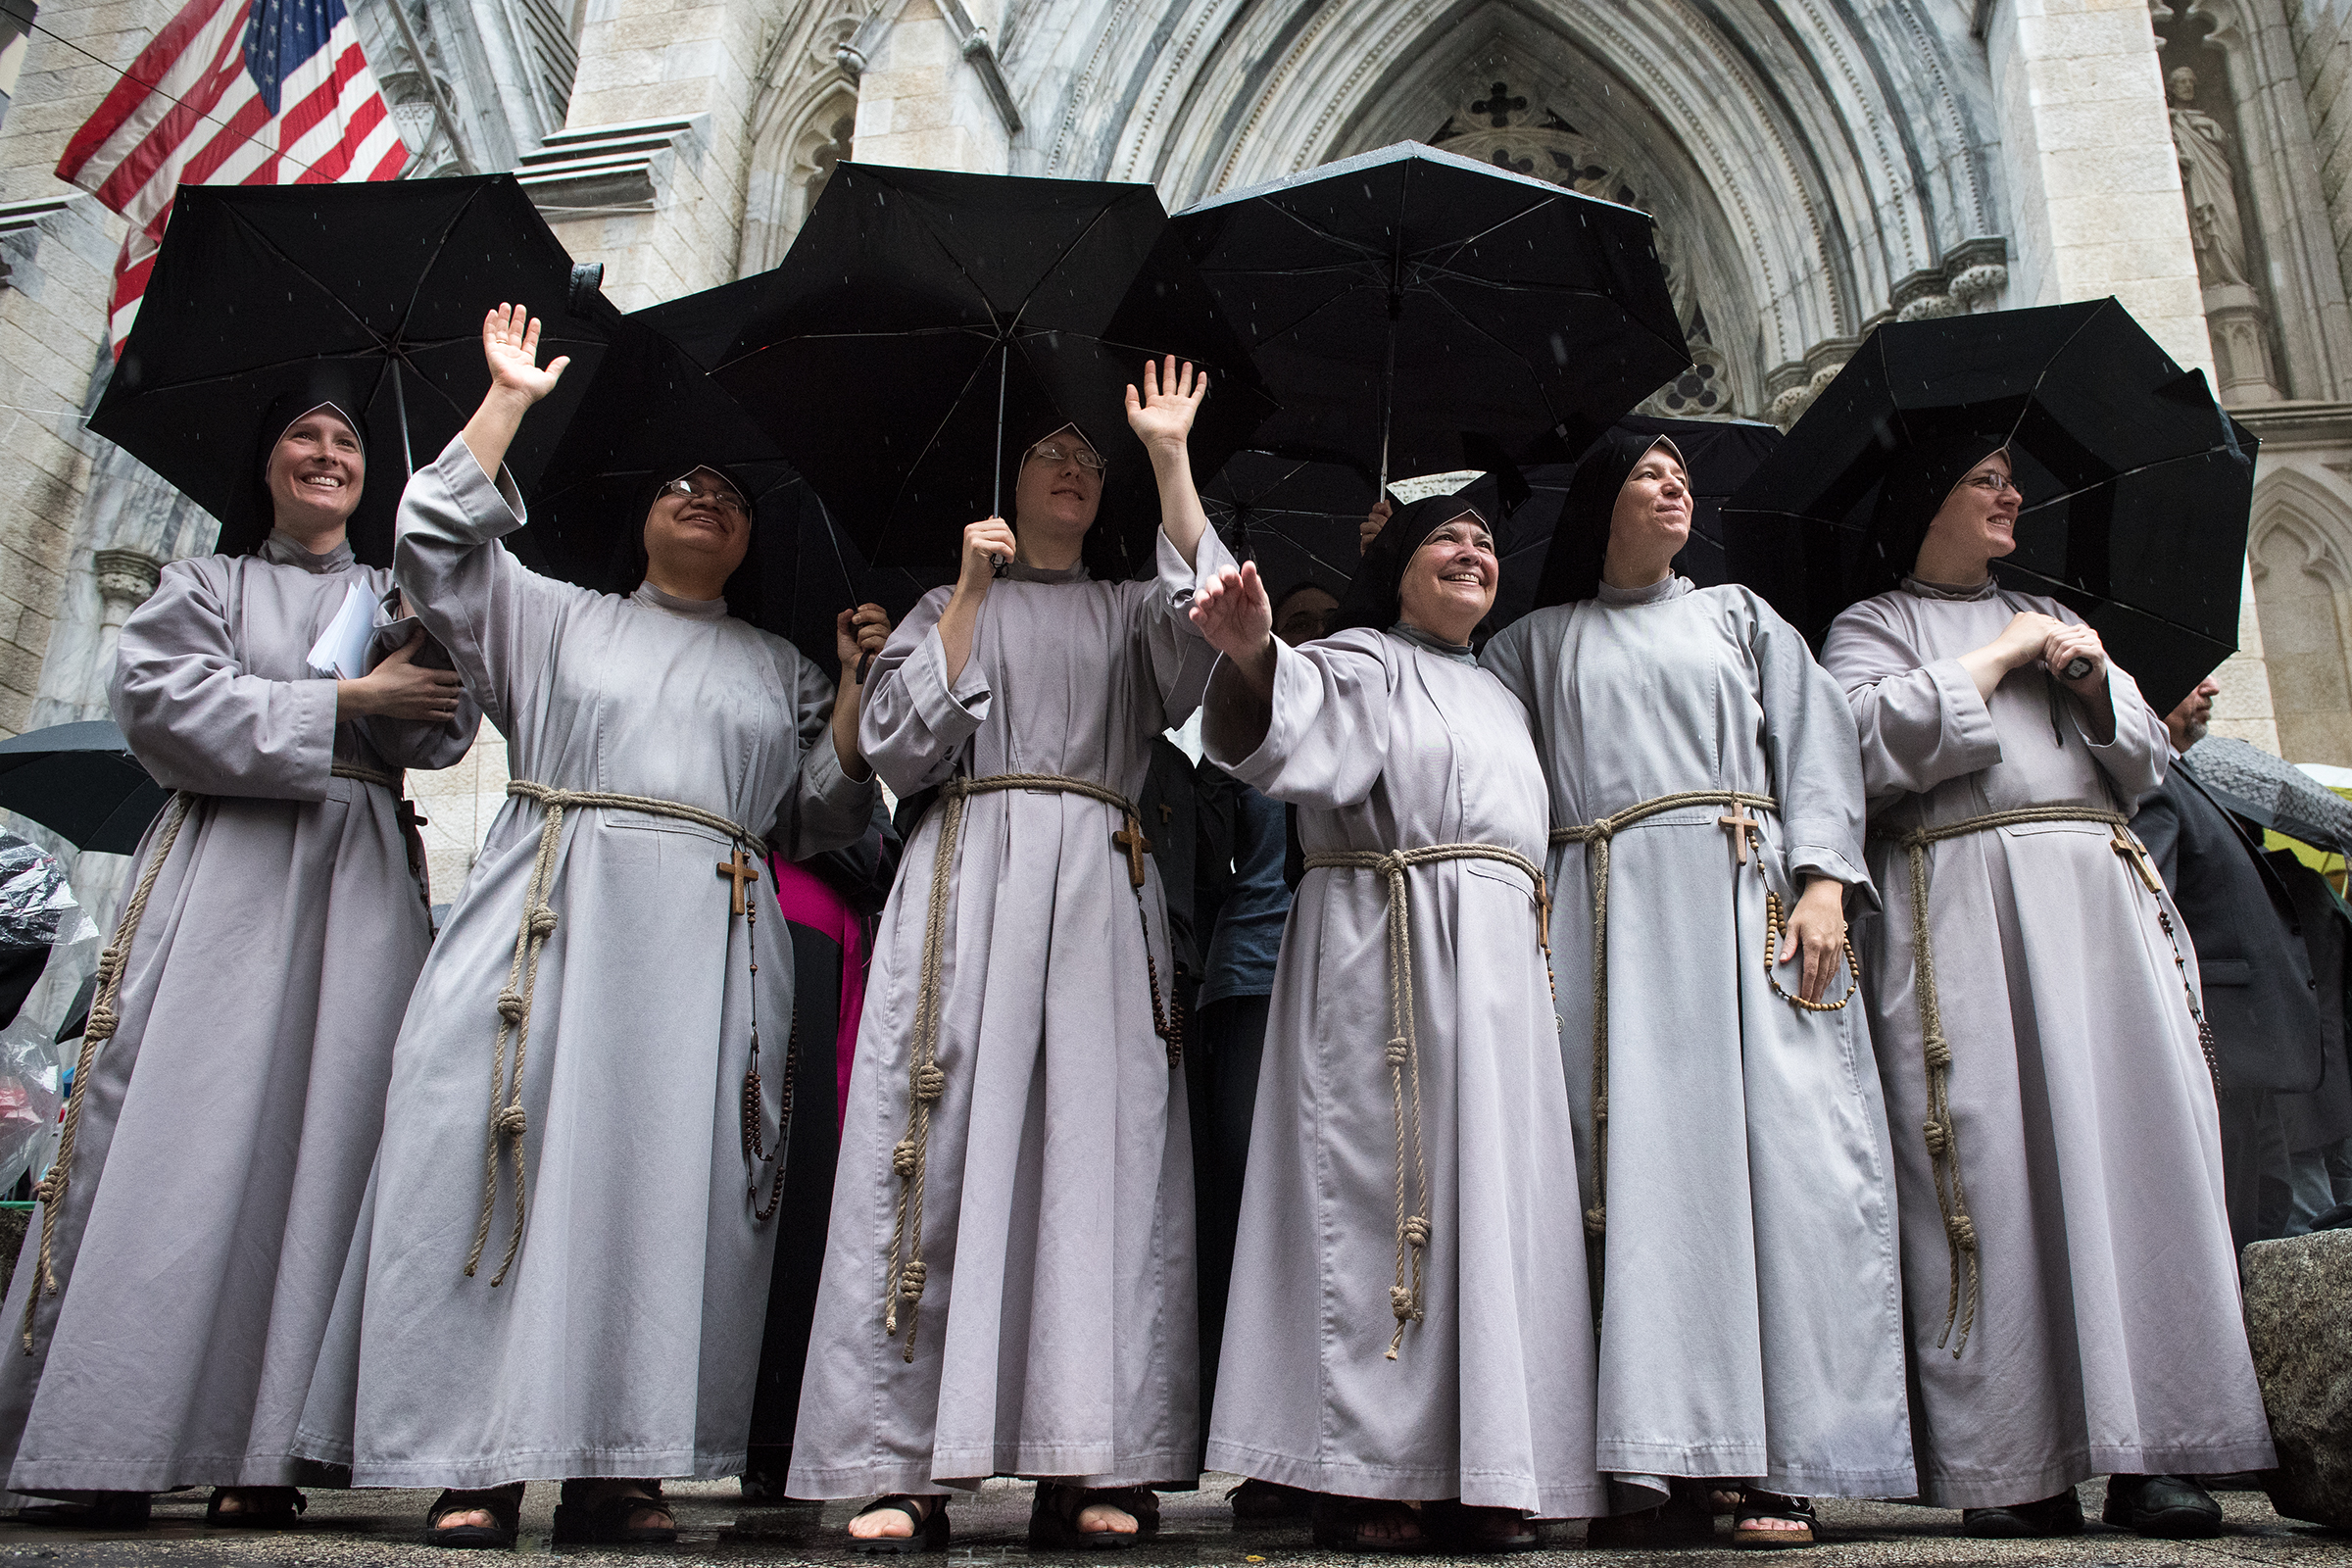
(503, 1505)
(1467, 1528)
(1755, 1503)
(1681, 1520)
(931, 1532)
(1346, 1524)
(600, 1513)
(1053, 1517)
(264, 1508)
(95, 1510)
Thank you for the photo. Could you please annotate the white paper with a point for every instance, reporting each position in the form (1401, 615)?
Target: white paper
(342, 649)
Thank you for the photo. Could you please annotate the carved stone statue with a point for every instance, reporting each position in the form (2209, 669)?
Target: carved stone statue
(2209, 184)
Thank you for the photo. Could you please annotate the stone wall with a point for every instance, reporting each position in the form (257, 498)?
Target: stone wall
(2322, 30)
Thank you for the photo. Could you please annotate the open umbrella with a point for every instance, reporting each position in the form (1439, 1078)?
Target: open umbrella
(928, 325)
(1298, 520)
(649, 414)
(373, 289)
(2136, 484)
(1400, 301)
(2277, 793)
(81, 782)
(1719, 454)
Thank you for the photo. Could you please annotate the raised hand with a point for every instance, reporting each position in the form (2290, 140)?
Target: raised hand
(1163, 415)
(510, 348)
(1234, 613)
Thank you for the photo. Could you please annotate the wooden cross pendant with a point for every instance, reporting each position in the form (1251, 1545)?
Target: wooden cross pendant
(743, 869)
(2130, 849)
(1130, 839)
(1738, 824)
(1167, 814)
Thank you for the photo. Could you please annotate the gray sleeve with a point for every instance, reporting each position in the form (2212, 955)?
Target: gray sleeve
(914, 721)
(1815, 754)
(1917, 724)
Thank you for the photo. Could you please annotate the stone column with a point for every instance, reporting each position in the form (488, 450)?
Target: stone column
(2087, 141)
(126, 577)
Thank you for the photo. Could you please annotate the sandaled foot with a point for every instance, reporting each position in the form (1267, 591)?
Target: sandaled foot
(256, 1507)
(1369, 1525)
(901, 1523)
(90, 1511)
(1468, 1527)
(613, 1512)
(1066, 1518)
(1772, 1519)
(483, 1520)
(1257, 1501)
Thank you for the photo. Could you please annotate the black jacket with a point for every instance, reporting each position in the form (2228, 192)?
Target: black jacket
(2260, 996)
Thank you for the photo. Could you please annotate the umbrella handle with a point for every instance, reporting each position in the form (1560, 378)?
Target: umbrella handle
(864, 666)
(2075, 668)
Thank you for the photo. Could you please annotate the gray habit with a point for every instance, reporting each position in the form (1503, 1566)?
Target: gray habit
(1751, 1322)
(213, 1193)
(624, 1341)
(1385, 744)
(2108, 1335)
(1056, 1334)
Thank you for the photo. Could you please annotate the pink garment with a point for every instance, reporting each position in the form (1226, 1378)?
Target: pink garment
(807, 900)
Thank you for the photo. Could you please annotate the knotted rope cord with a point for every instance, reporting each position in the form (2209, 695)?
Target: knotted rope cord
(1942, 1137)
(100, 1028)
(1404, 1050)
(507, 1119)
(909, 1157)
(368, 776)
(1595, 836)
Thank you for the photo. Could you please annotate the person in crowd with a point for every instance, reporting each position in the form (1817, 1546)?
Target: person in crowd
(2271, 1026)
(1235, 997)
(2071, 1285)
(562, 1277)
(1734, 1163)
(1405, 1323)
(169, 1305)
(829, 902)
(1008, 1282)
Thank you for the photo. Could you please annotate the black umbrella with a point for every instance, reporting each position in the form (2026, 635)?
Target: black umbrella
(1719, 454)
(2137, 485)
(1400, 301)
(81, 782)
(1300, 521)
(374, 292)
(928, 325)
(649, 414)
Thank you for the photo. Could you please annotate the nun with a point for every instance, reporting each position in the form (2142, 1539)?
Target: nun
(561, 1273)
(1008, 1286)
(171, 1301)
(1406, 1324)
(2073, 1289)
(1733, 1151)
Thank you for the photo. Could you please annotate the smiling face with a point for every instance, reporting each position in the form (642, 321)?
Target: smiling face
(698, 538)
(1976, 524)
(316, 474)
(1058, 492)
(1448, 584)
(1652, 514)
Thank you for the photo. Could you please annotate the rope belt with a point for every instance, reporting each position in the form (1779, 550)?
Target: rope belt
(103, 1020)
(926, 1081)
(1942, 1140)
(368, 776)
(1403, 1054)
(507, 1120)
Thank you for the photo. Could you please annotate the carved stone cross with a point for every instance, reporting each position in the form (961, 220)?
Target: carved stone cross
(743, 869)
(1738, 824)
(1131, 840)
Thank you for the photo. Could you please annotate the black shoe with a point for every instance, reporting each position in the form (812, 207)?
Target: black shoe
(2171, 1508)
(598, 1513)
(2061, 1515)
(92, 1510)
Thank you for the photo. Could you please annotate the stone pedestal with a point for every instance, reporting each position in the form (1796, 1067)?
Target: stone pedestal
(2299, 1321)
(2242, 371)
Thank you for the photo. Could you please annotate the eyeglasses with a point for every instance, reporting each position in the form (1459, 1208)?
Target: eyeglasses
(718, 495)
(1992, 484)
(1055, 452)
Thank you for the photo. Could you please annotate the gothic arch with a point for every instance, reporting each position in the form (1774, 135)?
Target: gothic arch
(2299, 547)
(800, 128)
(1818, 159)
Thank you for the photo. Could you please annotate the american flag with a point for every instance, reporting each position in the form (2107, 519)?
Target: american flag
(231, 92)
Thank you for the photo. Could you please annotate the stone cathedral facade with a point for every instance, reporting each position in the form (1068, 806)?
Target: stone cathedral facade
(1816, 167)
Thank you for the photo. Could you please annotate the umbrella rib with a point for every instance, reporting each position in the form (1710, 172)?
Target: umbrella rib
(2066, 587)
(303, 273)
(440, 244)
